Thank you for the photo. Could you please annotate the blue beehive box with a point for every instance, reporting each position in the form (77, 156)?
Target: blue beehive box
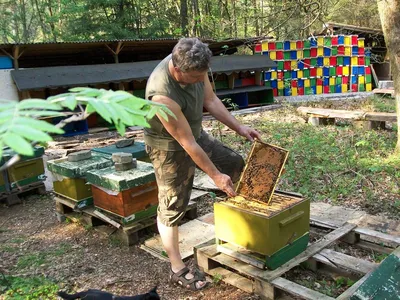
(313, 42)
(326, 71)
(327, 51)
(286, 45)
(300, 83)
(326, 81)
(242, 99)
(267, 76)
(300, 64)
(320, 61)
(5, 62)
(346, 60)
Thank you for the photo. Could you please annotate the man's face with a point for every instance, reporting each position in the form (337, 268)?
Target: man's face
(190, 77)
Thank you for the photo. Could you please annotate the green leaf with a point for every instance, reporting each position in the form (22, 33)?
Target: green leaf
(7, 105)
(140, 121)
(30, 133)
(40, 113)
(120, 128)
(89, 109)
(152, 112)
(135, 103)
(163, 114)
(70, 102)
(38, 103)
(18, 144)
(123, 114)
(101, 109)
(38, 124)
(6, 115)
(78, 89)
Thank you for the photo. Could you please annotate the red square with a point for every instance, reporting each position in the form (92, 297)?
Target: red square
(320, 81)
(299, 44)
(335, 40)
(354, 40)
(271, 46)
(294, 83)
(354, 88)
(313, 72)
(307, 63)
(313, 52)
(280, 75)
(339, 70)
(300, 91)
(332, 61)
(361, 51)
(345, 79)
(361, 61)
(279, 55)
(287, 65)
(368, 70)
(340, 50)
(248, 81)
(326, 89)
(275, 91)
(258, 48)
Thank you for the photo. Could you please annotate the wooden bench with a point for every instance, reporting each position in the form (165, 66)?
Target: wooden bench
(361, 119)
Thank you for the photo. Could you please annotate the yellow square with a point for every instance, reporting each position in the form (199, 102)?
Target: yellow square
(347, 40)
(280, 84)
(344, 88)
(272, 55)
(294, 91)
(299, 54)
(354, 60)
(320, 41)
(319, 89)
(293, 65)
(292, 45)
(320, 71)
(320, 51)
(346, 70)
(368, 87)
(332, 80)
(307, 83)
(347, 50)
(361, 43)
(264, 46)
(300, 74)
(326, 61)
(361, 79)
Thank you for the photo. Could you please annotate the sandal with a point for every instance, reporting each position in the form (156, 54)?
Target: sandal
(179, 277)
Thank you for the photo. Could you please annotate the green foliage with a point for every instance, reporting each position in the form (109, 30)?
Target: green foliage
(217, 278)
(20, 128)
(28, 288)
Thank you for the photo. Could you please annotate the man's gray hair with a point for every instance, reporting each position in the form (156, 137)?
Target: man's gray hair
(191, 54)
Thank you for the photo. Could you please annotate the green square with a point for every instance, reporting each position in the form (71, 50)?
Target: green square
(280, 92)
(327, 41)
(332, 71)
(280, 65)
(306, 53)
(313, 82)
(334, 51)
(332, 89)
(308, 91)
(286, 55)
(338, 80)
(287, 74)
(313, 62)
(361, 87)
(268, 83)
(368, 78)
(306, 44)
(306, 73)
(339, 60)
(279, 45)
(367, 61)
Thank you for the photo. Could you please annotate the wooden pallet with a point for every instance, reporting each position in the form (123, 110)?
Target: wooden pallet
(13, 197)
(129, 234)
(269, 284)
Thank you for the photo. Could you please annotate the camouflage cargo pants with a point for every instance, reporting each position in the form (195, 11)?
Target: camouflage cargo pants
(174, 172)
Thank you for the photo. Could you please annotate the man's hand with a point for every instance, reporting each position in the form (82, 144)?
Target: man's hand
(249, 133)
(224, 183)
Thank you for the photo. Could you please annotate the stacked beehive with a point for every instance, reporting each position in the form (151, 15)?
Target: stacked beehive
(330, 64)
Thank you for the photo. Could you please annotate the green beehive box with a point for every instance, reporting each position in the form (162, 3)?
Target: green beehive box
(272, 224)
(368, 78)
(327, 41)
(306, 44)
(71, 182)
(334, 51)
(306, 53)
(137, 150)
(367, 61)
(313, 62)
(286, 55)
(313, 82)
(332, 89)
(28, 170)
(220, 85)
(339, 80)
(332, 71)
(339, 60)
(280, 65)
(306, 73)
(268, 83)
(279, 45)
(308, 91)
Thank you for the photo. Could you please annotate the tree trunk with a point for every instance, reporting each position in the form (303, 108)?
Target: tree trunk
(245, 18)
(256, 18)
(389, 12)
(184, 18)
(235, 31)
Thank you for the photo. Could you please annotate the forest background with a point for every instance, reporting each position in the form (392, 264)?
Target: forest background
(27, 21)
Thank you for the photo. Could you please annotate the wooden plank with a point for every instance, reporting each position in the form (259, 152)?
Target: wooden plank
(331, 113)
(310, 251)
(384, 91)
(340, 260)
(102, 217)
(381, 116)
(298, 290)
(374, 247)
(233, 279)
(241, 254)
(386, 238)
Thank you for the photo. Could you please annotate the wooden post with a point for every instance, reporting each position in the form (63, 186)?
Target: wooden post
(115, 53)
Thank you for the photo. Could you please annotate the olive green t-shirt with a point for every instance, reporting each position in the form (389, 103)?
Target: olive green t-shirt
(189, 97)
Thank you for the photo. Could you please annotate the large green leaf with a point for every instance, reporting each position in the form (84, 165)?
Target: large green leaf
(18, 144)
(101, 109)
(30, 133)
(70, 102)
(38, 124)
(38, 103)
(40, 113)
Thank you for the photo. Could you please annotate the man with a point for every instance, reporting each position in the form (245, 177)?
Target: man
(176, 146)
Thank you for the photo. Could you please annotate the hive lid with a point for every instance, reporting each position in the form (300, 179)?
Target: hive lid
(137, 150)
(76, 169)
(263, 169)
(113, 180)
(38, 151)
